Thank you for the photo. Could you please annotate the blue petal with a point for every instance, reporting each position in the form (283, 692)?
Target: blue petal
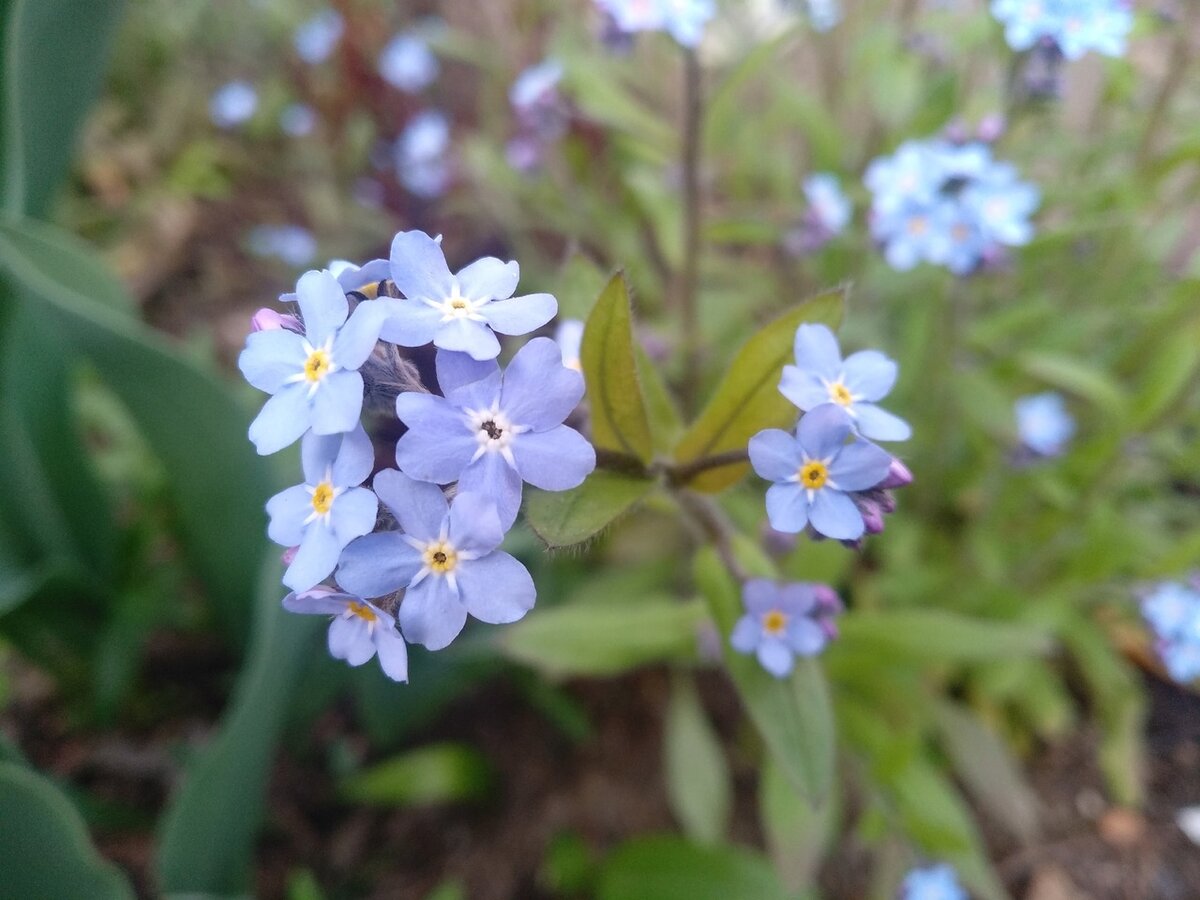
(774, 454)
(796, 598)
(357, 338)
(393, 653)
(879, 424)
(438, 444)
(355, 459)
(494, 478)
(410, 323)
(353, 277)
(776, 657)
(467, 336)
(805, 636)
(474, 524)
(419, 267)
(539, 391)
(860, 466)
(746, 634)
(817, 351)
(520, 315)
(456, 371)
(803, 388)
(271, 358)
(315, 559)
(760, 595)
(353, 515)
(431, 614)
(378, 564)
(337, 403)
(322, 304)
(787, 508)
(419, 507)
(288, 509)
(350, 639)
(488, 279)
(554, 460)
(834, 515)
(869, 374)
(496, 588)
(319, 601)
(823, 430)
(317, 453)
(282, 419)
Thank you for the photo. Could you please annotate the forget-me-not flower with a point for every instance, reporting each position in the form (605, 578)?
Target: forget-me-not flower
(329, 510)
(297, 119)
(421, 154)
(684, 19)
(233, 104)
(1043, 423)
(359, 629)
(855, 384)
(291, 244)
(1074, 26)
(313, 377)
(445, 556)
(827, 203)
(492, 432)
(408, 64)
(813, 470)
(932, 883)
(316, 38)
(1172, 610)
(461, 311)
(780, 623)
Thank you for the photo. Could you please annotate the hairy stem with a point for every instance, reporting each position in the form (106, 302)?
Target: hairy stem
(712, 524)
(682, 473)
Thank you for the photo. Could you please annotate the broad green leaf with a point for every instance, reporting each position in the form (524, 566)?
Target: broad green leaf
(793, 714)
(797, 830)
(54, 55)
(45, 850)
(1081, 379)
(666, 424)
(698, 785)
(187, 416)
(619, 418)
(438, 773)
(563, 518)
(1169, 373)
(578, 639)
(220, 804)
(937, 635)
(670, 868)
(988, 770)
(748, 400)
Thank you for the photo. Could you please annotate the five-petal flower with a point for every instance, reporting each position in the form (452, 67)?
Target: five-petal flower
(780, 623)
(358, 631)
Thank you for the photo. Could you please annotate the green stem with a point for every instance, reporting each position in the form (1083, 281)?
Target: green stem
(688, 282)
(1177, 67)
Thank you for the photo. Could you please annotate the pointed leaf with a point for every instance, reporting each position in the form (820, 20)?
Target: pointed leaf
(563, 518)
(698, 785)
(669, 868)
(438, 773)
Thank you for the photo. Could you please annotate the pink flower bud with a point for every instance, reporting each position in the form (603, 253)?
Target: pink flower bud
(898, 476)
(269, 320)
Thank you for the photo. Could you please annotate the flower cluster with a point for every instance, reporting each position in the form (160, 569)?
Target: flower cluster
(488, 432)
(1043, 424)
(937, 882)
(1172, 610)
(541, 113)
(233, 104)
(1073, 27)
(407, 63)
(422, 154)
(316, 38)
(783, 621)
(827, 216)
(827, 476)
(684, 19)
(947, 203)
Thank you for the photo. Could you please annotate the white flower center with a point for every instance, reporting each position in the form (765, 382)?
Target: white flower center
(494, 432)
(456, 306)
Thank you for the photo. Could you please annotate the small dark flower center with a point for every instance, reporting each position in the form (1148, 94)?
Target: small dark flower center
(439, 558)
(492, 429)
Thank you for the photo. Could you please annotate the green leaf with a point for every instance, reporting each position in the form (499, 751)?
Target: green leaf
(563, 518)
(45, 850)
(438, 773)
(669, 868)
(937, 635)
(619, 418)
(1169, 372)
(219, 806)
(748, 400)
(580, 639)
(1088, 382)
(54, 56)
(188, 417)
(798, 831)
(793, 714)
(698, 785)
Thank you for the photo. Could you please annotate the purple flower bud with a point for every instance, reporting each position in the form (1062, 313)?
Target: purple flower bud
(886, 502)
(270, 320)
(871, 513)
(991, 128)
(289, 555)
(778, 543)
(898, 476)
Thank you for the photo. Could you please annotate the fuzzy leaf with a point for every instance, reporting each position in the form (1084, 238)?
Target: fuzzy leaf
(563, 518)
(698, 785)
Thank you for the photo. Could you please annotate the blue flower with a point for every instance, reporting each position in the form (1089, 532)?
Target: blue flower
(856, 384)
(446, 557)
(358, 631)
(932, 883)
(313, 377)
(362, 279)
(813, 471)
(458, 312)
(297, 119)
(1074, 26)
(1043, 423)
(828, 205)
(535, 99)
(491, 432)
(782, 621)
(823, 15)
(291, 244)
(408, 64)
(684, 19)
(316, 38)
(233, 104)
(329, 510)
(1173, 611)
(421, 154)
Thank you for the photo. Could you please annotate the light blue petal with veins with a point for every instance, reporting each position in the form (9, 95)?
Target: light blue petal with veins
(816, 351)
(337, 403)
(419, 267)
(787, 508)
(869, 374)
(318, 601)
(271, 358)
(431, 614)
(315, 559)
(539, 391)
(496, 588)
(879, 424)
(317, 454)
(823, 430)
(467, 336)
(474, 524)
(774, 454)
(488, 279)
(355, 458)
(834, 515)
(418, 506)
(353, 514)
(803, 388)
(282, 420)
(776, 657)
(350, 639)
(393, 653)
(859, 466)
(356, 339)
(554, 460)
(378, 564)
(438, 444)
(288, 509)
(520, 315)
(323, 305)
(457, 371)
(410, 323)
(492, 477)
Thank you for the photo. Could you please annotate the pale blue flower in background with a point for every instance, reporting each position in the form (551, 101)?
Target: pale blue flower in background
(359, 630)
(233, 104)
(828, 204)
(407, 63)
(1074, 26)
(932, 883)
(684, 19)
(1172, 610)
(291, 244)
(316, 38)
(422, 154)
(781, 622)
(823, 15)
(1043, 423)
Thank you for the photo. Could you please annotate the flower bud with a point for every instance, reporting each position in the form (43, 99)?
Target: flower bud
(898, 476)
(269, 320)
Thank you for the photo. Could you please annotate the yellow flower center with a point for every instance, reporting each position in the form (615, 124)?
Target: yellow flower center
(840, 394)
(363, 611)
(814, 474)
(440, 557)
(775, 622)
(317, 365)
(322, 498)
(917, 225)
